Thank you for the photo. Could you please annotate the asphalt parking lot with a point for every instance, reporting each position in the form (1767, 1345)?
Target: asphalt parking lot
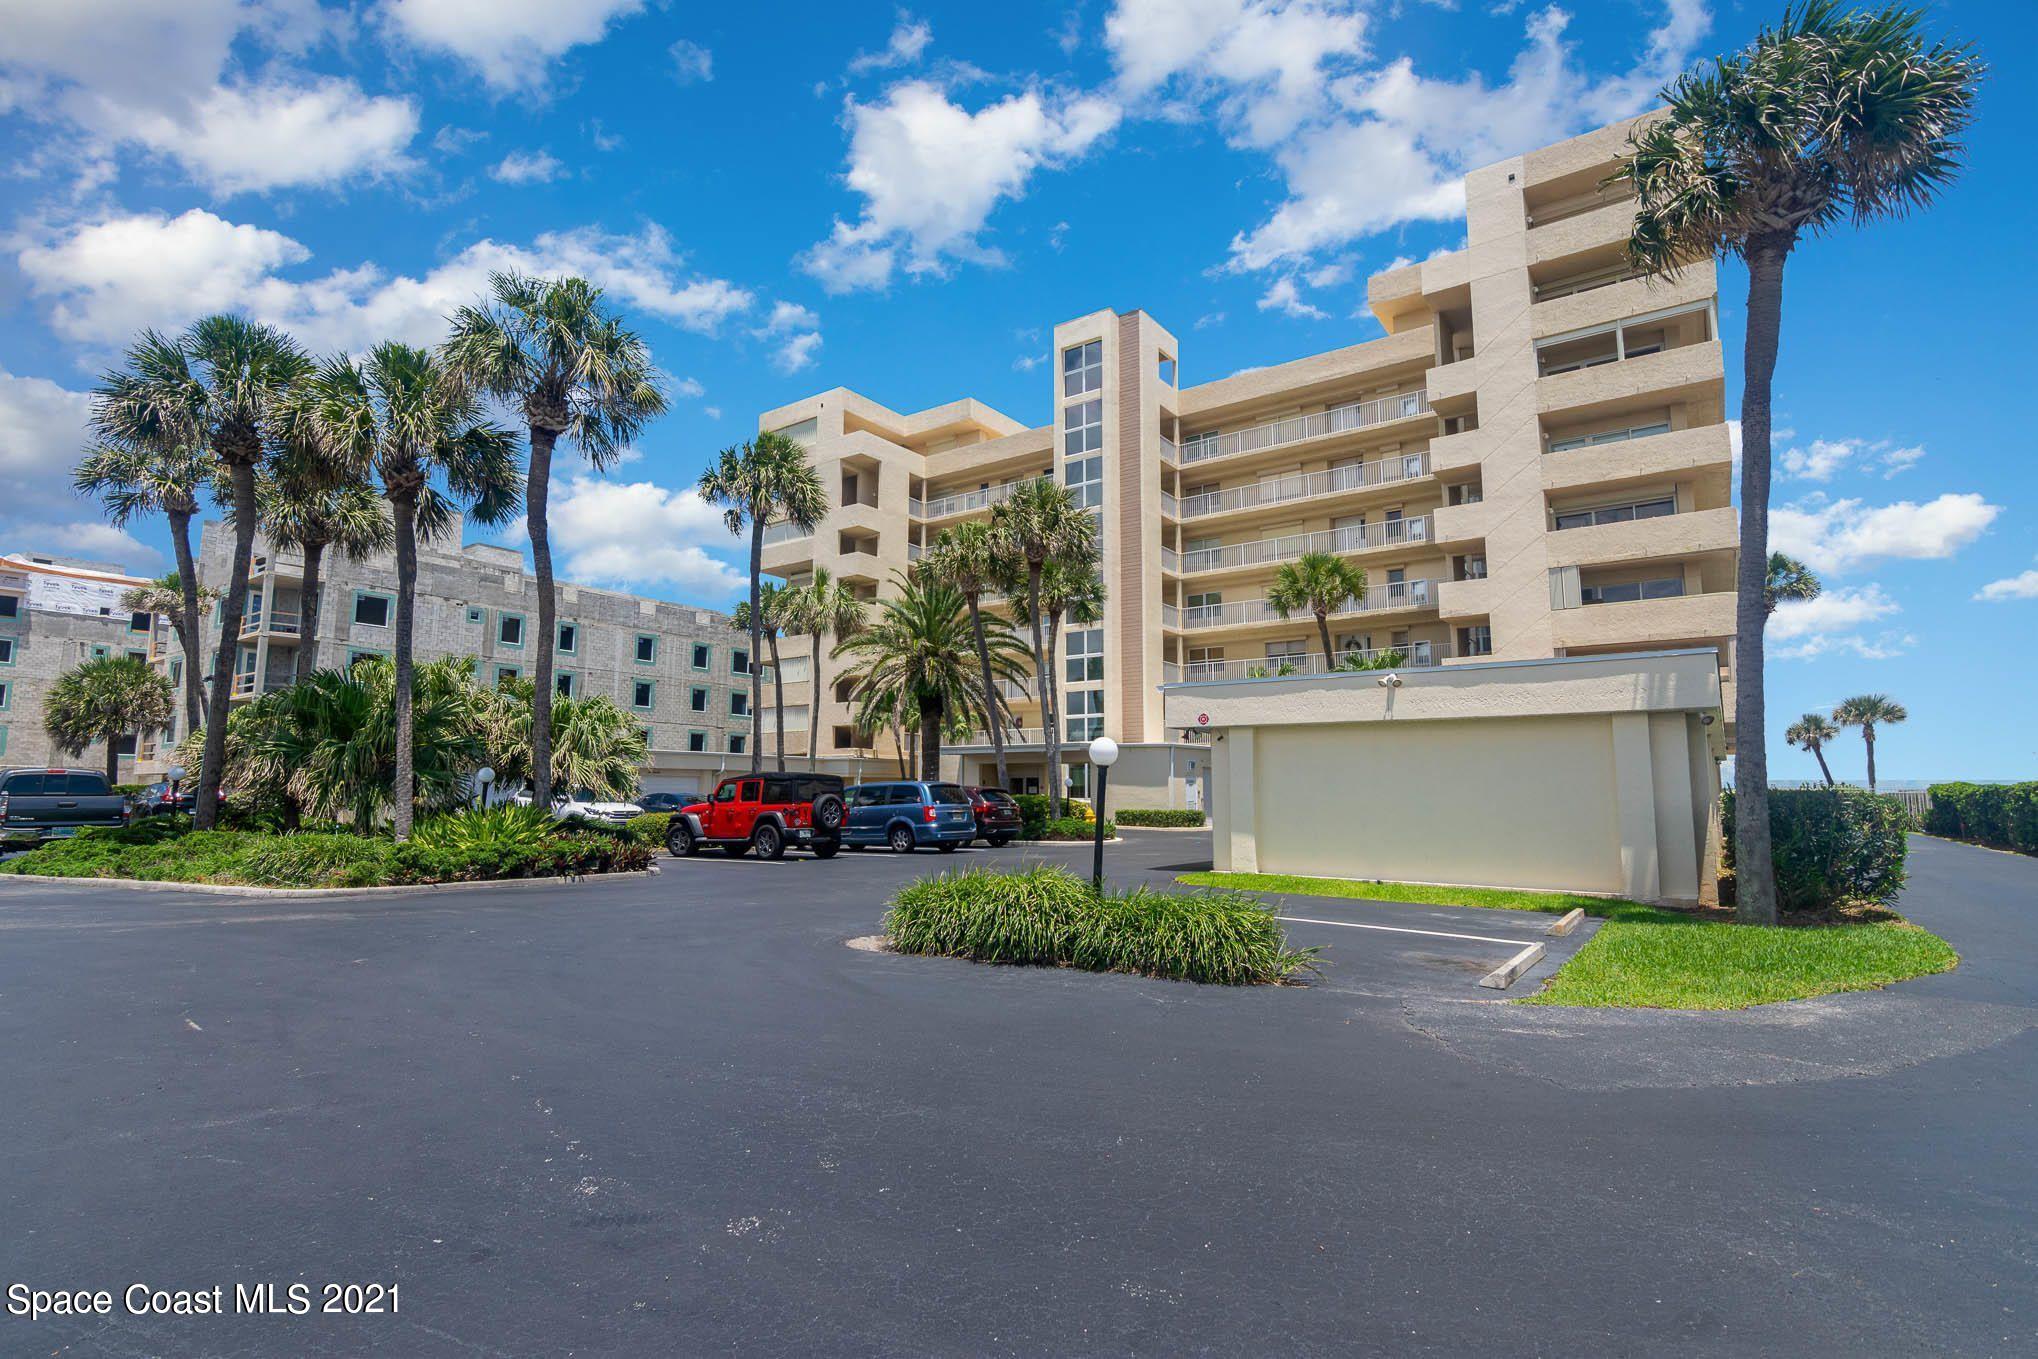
(677, 1116)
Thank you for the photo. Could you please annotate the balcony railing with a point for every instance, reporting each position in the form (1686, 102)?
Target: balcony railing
(1169, 453)
(785, 532)
(1296, 429)
(1306, 486)
(1014, 736)
(914, 552)
(1400, 594)
(1169, 506)
(289, 624)
(1416, 655)
(964, 502)
(1387, 533)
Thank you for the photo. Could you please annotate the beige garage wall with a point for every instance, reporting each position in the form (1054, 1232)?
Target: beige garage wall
(1511, 803)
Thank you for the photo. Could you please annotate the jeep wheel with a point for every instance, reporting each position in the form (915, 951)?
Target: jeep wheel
(825, 849)
(769, 841)
(828, 812)
(900, 839)
(679, 838)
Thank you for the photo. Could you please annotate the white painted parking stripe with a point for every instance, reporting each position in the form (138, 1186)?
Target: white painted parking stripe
(1402, 929)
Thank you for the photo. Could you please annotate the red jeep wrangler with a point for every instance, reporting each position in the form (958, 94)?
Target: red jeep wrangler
(764, 812)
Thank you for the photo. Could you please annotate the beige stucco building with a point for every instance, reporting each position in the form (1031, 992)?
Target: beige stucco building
(56, 613)
(1531, 462)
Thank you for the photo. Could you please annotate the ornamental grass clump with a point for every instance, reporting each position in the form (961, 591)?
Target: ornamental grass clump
(1047, 916)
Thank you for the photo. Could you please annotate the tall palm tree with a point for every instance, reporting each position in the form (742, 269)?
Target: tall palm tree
(966, 558)
(1811, 733)
(1038, 523)
(166, 597)
(402, 417)
(104, 700)
(1788, 581)
(764, 481)
(309, 503)
(554, 349)
(1869, 711)
(917, 656)
(776, 604)
(1320, 584)
(1071, 594)
(1827, 117)
(821, 607)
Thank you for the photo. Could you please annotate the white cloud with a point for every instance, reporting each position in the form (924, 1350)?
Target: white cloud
(796, 352)
(1836, 610)
(1026, 363)
(1822, 458)
(641, 534)
(43, 429)
(797, 331)
(688, 388)
(91, 539)
(528, 167)
(510, 42)
(2023, 585)
(691, 62)
(105, 281)
(930, 172)
(1283, 296)
(909, 39)
(1839, 535)
(1880, 647)
(1209, 319)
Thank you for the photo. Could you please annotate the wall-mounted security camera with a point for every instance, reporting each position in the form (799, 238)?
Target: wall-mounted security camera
(1389, 681)
(1706, 720)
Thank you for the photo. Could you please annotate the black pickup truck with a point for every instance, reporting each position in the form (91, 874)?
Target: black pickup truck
(47, 804)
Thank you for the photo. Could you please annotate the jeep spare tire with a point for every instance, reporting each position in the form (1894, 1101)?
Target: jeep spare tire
(828, 812)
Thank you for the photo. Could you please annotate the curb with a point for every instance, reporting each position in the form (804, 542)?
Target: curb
(1168, 830)
(405, 889)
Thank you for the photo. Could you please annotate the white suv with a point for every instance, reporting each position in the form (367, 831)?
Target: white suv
(582, 804)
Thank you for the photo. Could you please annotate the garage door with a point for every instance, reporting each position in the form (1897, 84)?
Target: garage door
(1514, 803)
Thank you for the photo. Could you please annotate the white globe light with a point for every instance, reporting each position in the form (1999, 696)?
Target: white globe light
(1104, 752)
(484, 775)
(176, 773)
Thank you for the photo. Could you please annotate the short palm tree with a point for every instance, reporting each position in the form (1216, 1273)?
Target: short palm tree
(553, 349)
(1038, 523)
(595, 744)
(966, 558)
(1827, 117)
(309, 503)
(821, 607)
(768, 480)
(1789, 581)
(401, 417)
(1811, 734)
(150, 465)
(917, 657)
(348, 749)
(1869, 711)
(168, 597)
(1319, 584)
(775, 607)
(104, 700)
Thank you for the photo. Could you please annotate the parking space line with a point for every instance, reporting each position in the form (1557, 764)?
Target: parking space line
(1402, 929)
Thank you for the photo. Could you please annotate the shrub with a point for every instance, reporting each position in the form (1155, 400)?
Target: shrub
(314, 860)
(1832, 846)
(1032, 813)
(1048, 916)
(1070, 828)
(2000, 815)
(1159, 816)
(496, 829)
(648, 828)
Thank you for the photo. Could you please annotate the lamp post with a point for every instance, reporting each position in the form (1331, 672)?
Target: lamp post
(1103, 754)
(482, 778)
(176, 776)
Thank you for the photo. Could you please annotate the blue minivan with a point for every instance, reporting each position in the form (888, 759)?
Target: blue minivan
(908, 815)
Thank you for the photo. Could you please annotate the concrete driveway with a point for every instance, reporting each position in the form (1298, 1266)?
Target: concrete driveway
(677, 1116)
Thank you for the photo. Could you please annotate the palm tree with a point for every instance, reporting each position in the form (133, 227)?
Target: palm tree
(966, 558)
(104, 700)
(766, 480)
(554, 349)
(166, 597)
(1825, 118)
(1811, 733)
(595, 744)
(1071, 593)
(1788, 580)
(822, 606)
(404, 418)
(1869, 711)
(348, 748)
(1038, 523)
(309, 503)
(916, 658)
(1322, 585)
(775, 606)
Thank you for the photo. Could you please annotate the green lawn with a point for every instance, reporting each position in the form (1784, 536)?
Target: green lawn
(1646, 957)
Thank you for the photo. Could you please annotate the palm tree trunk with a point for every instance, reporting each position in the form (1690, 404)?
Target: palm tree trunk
(996, 729)
(1819, 753)
(756, 629)
(537, 493)
(778, 698)
(187, 632)
(814, 692)
(930, 743)
(307, 610)
(205, 809)
(112, 759)
(403, 793)
(1049, 735)
(1323, 628)
(1868, 739)
(1754, 868)
(899, 745)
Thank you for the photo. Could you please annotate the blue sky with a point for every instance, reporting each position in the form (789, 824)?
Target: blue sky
(788, 197)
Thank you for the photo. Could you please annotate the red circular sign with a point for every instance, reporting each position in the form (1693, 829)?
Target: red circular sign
(1202, 719)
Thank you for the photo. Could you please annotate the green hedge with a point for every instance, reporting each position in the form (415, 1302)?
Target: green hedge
(2000, 815)
(1832, 846)
(1170, 817)
(648, 828)
(1049, 916)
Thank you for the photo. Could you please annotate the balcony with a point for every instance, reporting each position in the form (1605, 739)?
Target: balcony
(1650, 622)
(1671, 535)
(1389, 595)
(1463, 523)
(1306, 486)
(1416, 655)
(964, 502)
(1014, 736)
(1264, 551)
(1451, 386)
(784, 532)
(1303, 428)
(1470, 598)
(1581, 223)
(1672, 375)
(1615, 296)
(1638, 453)
(277, 624)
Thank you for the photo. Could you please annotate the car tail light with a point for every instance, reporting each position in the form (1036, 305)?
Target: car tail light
(3, 806)
(927, 813)
(801, 815)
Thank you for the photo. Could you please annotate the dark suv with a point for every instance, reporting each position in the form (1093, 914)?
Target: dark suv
(764, 812)
(997, 813)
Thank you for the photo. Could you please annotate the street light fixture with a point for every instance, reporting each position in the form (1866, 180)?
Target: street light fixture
(482, 778)
(1103, 754)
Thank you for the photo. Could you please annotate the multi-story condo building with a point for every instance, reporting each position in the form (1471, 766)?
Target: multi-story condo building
(681, 670)
(56, 613)
(1532, 461)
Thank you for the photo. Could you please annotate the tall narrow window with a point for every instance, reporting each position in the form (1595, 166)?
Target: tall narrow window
(1082, 425)
(1082, 368)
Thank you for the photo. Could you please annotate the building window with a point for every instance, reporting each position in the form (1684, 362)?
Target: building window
(1476, 640)
(697, 700)
(647, 648)
(739, 703)
(703, 656)
(1085, 479)
(569, 638)
(697, 742)
(643, 693)
(566, 682)
(736, 743)
(1086, 714)
(123, 745)
(1082, 368)
(739, 662)
(100, 653)
(6, 651)
(1082, 426)
(176, 669)
(1618, 514)
(509, 629)
(645, 732)
(140, 622)
(505, 672)
(354, 657)
(6, 696)
(10, 606)
(1085, 655)
(372, 611)
(1670, 587)
(1166, 370)
(474, 615)
(137, 655)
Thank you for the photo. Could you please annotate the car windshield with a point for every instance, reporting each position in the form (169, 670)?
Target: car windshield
(949, 794)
